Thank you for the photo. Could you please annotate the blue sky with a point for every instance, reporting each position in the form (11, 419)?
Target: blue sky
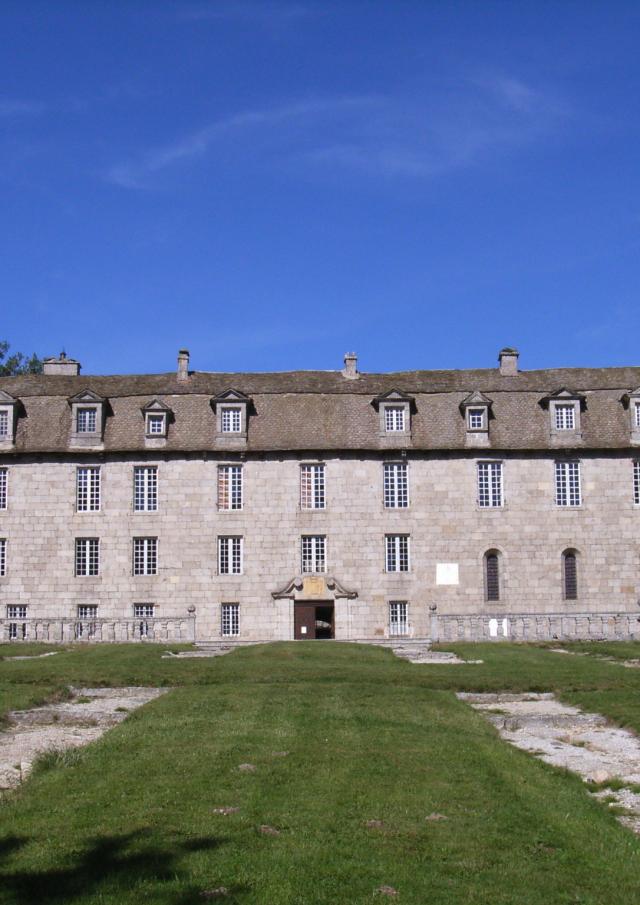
(273, 183)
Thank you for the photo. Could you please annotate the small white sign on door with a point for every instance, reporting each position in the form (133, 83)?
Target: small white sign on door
(303, 629)
(447, 573)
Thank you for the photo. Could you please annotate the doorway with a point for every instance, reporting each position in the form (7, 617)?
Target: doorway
(313, 621)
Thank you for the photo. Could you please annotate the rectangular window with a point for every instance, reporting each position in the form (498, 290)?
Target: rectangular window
(86, 612)
(396, 485)
(398, 617)
(4, 424)
(88, 489)
(145, 556)
(86, 421)
(636, 419)
(87, 555)
(145, 488)
(230, 555)
(230, 618)
(394, 418)
(312, 495)
(397, 552)
(476, 419)
(231, 420)
(314, 553)
(156, 424)
(636, 482)
(3, 556)
(17, 630)
(142, 612)
(490, 484)
(568, 484)
(4, 480)
(230, 487)
(565, 417)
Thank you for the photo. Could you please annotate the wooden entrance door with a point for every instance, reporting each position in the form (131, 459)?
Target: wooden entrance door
(313, 620)
(304, 621)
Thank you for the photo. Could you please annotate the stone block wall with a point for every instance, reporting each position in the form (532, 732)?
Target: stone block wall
(443, 520)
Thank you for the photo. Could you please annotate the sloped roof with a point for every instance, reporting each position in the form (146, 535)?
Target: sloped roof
(321, 410)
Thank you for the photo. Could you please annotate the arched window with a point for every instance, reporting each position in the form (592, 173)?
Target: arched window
(570, 574)
(492, 575)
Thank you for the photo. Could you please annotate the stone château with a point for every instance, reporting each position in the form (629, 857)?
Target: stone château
(450, 505)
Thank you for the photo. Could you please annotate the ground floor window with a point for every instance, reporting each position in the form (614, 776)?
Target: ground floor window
(143, 612)
(398, 617)
(85, 627)
(230, 613)
(17, 630)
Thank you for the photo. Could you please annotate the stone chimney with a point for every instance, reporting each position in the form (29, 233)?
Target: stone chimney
(183, 364)
(508, 359)
(350, 365)
(69, 367)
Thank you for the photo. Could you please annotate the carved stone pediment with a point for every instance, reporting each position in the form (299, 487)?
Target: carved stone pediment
(313, 587)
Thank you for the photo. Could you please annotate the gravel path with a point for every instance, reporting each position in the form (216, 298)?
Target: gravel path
(567, 737)
(83, 719)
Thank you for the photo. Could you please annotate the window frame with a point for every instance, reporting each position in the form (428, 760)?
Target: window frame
(397, 553)
(636, 482)
(4, 488)
(145, 565)
(394, 414)
(147, 492)
(316, 557)
(87, 551)
(314, 490)
(227, 493)
(570, 583)
(400, 610)
(493, 590)
(155, 417)
(3, 556)
(82, 409)
(230, 554)
(394, 494)
(488, 490)
(230, 619)
(89, 497)
(563, 483)
(231, 419)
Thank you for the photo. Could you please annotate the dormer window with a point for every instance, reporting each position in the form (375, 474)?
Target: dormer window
(565, 419)
(156, 420)
(232, 415)
(564, 414)
(231, 419)
(394, 418)
(477, 419)
(156, 424)
(476, 408)
(394, 413)
(86, 420)
(636, 415)
(8, 407)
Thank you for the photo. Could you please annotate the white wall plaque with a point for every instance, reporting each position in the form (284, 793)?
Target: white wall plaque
(447, 573)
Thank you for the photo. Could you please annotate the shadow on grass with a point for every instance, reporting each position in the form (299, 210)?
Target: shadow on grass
(109, 867)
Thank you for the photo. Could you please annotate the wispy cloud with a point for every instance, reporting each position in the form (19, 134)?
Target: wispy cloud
(137, 174)
(390, 137)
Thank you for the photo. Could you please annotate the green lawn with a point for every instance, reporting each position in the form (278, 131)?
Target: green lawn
(369, 737)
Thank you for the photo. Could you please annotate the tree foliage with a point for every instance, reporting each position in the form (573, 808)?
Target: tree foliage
(17, 363)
